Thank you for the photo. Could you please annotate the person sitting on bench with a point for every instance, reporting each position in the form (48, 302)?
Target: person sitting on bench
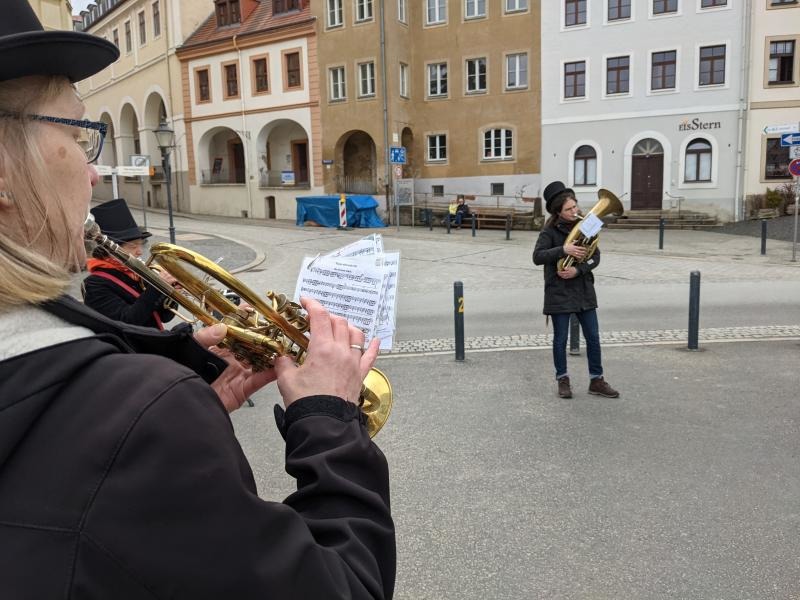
(457, 211)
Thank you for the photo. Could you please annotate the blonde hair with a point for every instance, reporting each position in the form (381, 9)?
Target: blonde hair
(36, 250)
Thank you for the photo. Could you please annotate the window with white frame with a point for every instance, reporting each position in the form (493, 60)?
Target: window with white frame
(498, 144)
(712, 65)
(156, 18)
(474, 9)
(115, 37)
(664, 7)
(128, 42)
(366, 79)
(585, 166)
(334, 13)
(618, 75)
(338, 89)
(781, 61)
(619, 10)
(437, 79)
(575, 79)
(476, 75)
(142, 29)
(363, 10)
(436, 11)
(698, 161)
(713, 3)
(402, 11)
(663, 67)
(574, 12)
(403, 80)
(516, 71)
(437, 147)
(516, 5)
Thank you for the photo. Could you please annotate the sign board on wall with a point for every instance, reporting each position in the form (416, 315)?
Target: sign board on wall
(404, 192)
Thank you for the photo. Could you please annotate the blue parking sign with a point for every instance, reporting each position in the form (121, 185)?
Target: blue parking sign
(397, 155)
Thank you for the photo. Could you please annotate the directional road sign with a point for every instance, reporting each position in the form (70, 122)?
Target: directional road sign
(790, 139)
(397, 155)
(785, 128)
(794, 167)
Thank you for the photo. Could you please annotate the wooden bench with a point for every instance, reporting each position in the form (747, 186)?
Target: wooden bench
(488, 217)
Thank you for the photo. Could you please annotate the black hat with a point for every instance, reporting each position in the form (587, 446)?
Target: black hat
(116, 221)
(551, 191)
(27, 49)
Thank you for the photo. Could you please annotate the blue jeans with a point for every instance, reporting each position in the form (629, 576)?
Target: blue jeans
(591, 333)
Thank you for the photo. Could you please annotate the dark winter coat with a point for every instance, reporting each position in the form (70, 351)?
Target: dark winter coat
(564, 295)
(115, 302)
(121, 477)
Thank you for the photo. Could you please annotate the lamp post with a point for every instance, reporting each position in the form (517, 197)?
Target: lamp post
(165, 137)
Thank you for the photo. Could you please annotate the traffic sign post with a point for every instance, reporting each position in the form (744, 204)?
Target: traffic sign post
(785, 128)
(794, 169)
(790, 139)
(397, 155)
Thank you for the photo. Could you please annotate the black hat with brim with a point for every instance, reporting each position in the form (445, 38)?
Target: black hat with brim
(553, 191)
(116, 221)
(27, 49)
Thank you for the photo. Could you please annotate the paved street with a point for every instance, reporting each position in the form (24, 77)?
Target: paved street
(685, 487)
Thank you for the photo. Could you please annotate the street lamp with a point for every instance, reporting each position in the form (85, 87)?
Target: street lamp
(165, 137)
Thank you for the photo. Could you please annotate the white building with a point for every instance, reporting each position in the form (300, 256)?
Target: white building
(644, 98)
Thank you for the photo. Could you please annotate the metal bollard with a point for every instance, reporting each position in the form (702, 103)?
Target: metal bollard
(429, 217)
(694, 308)
(574, 336)
(661, 222)
(458, 317)
(763, 237)
(473, 224)
(447, 222)
(508, 227)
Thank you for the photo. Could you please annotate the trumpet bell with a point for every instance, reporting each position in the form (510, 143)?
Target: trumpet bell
(378, 399)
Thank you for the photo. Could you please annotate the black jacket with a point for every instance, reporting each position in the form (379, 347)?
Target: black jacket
(564, 295)
(110, 299)
(121, 477)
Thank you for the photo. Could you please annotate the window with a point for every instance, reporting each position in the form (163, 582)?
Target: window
(662, 75)
(781, 62)
(713, 3)
(776, 163)
(156, 19)
(437, 190)
(203, 89)
(437, 11)
(574, 12)
(516, 5)
(575, 79)
(401, 11)
(781, 2)
(292, 64)
(284, 6)
(663, 7)
(585, 166)
(516, 71)
(142, 30)
(338, 90)
(474, 9)
(334, 13)
(476, 75)
(497, 189)
(498, 144)
(363, 10)
(128, 41)
(366, 79)
(437, 147)
(698, 161)
(618, 75)
(437, 79)
(227, 12)
(231, 75)
(260, 75)
(712, 65)
(115, 37)
(619, 10)
(404, 80)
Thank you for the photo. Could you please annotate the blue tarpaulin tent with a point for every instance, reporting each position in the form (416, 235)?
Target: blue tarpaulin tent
(325, 211)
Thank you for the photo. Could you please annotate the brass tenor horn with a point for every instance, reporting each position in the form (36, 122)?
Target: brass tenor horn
(274, 327)
(607, 204)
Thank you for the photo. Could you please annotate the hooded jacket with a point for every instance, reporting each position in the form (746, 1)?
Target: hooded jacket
(564, 295)
(121, 477)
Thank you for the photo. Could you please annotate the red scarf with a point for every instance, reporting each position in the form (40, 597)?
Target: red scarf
(113, 264)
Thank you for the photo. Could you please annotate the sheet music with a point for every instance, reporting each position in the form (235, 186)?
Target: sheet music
(590, 225)
(357, 282)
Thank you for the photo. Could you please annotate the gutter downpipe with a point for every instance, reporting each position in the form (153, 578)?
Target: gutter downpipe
(245, 132)
(177, 165)
(741, 139)
(387, 169)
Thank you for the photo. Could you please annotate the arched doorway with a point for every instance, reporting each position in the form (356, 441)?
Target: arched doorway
(407, 140)
(358, 156)
(647, 175)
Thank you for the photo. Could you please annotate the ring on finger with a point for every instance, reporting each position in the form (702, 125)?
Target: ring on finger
(357, 347)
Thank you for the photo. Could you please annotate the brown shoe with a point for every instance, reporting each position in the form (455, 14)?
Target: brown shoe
(599, 387)
(564, 389)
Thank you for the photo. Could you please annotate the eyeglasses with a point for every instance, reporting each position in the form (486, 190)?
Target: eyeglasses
(91, 136)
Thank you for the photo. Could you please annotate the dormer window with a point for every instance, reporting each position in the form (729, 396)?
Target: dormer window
(228, 12)
(283, 6)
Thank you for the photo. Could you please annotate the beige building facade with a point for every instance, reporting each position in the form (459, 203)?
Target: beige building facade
(453, 82)
(53, 14)
(774, 92)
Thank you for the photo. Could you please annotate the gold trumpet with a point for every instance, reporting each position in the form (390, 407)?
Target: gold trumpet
(607, 204)
(272, 327)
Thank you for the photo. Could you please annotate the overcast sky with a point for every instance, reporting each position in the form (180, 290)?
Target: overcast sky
(79, 5)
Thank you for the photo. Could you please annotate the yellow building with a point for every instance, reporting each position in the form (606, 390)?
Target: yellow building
(53, 14)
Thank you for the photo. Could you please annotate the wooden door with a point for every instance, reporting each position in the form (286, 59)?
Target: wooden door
(647, 180)
(300, 161)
